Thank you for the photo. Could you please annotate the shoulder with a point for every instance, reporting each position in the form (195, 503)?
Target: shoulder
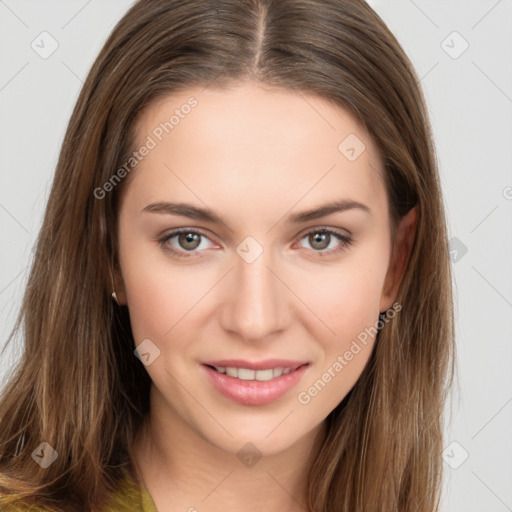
(131, 496)
(10, 503)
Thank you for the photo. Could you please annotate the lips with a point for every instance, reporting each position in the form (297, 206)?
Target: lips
(266, 364)
(254, 392)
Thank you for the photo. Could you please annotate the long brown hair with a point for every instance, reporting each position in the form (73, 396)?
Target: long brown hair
(78, 385)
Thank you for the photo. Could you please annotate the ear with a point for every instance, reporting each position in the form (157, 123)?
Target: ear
(405, 235)
(119, 287)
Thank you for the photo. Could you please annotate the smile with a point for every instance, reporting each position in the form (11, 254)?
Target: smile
(248, 374)
(253, 387)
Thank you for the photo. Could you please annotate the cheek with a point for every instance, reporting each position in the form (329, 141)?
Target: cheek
(346, 297)
(348, 305)
(159, 294)
(161, 301)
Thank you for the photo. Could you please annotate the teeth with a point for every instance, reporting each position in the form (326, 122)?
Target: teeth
(247, 374)
(263, 374)
(232, 372)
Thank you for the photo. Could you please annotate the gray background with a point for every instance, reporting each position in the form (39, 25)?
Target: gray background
(469, 95)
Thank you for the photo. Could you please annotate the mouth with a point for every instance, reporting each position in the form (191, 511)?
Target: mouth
(249, 374)
(249, 386)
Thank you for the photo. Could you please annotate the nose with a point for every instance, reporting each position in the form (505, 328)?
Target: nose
(257, 303)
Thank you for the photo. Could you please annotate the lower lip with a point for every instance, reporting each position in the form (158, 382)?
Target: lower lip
(254, 392)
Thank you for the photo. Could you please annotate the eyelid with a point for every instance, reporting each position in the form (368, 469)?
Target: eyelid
(316, 228)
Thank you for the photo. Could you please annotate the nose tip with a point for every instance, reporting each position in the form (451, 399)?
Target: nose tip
(256, 305)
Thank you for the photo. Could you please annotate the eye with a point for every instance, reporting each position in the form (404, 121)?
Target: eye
(187, 240)
(320, 239)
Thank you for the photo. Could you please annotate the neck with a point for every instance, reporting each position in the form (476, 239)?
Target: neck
(181, 468)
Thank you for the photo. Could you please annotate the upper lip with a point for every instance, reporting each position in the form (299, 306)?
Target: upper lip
(265, 364)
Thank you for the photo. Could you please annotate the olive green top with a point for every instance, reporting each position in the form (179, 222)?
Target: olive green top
(132, 496)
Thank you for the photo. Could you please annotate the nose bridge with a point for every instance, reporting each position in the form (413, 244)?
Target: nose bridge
(256, 307)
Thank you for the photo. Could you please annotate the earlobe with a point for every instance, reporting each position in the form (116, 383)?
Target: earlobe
(121, 297)
(405, 236)
(118, 292)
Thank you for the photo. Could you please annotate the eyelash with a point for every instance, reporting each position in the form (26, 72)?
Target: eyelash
(345, 241)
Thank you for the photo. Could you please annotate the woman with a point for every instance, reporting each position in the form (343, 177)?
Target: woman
(241, 294)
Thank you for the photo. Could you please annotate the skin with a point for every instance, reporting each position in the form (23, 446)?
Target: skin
(253, 156)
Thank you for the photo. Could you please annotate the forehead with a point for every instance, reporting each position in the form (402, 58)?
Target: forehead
(249, 139)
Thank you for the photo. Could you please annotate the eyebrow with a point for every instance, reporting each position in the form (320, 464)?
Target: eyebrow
(195, 212)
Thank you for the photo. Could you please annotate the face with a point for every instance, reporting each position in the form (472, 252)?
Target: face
(239, 274)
